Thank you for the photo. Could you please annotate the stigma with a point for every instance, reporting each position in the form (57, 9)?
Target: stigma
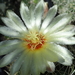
(34, 40)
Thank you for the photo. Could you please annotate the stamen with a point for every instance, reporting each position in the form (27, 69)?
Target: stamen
(35, 40)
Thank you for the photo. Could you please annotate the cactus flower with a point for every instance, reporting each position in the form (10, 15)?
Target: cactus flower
(36, 43)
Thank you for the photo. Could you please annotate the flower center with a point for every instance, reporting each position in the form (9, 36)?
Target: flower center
(35, 40)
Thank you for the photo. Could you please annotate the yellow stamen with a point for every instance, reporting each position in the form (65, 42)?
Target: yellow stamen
(35, 40)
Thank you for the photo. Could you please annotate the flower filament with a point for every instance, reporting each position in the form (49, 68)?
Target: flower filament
(35, 40)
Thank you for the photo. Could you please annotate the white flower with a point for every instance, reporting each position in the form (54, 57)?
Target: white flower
(38, 43)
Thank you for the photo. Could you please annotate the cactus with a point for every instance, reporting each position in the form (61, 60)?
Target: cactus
(66, 6)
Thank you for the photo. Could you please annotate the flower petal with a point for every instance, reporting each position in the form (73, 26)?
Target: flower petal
(8, 43)
(67, 41)
(25, 14)
(68, 61)
(38, 12)
(49, 55)
(68, 28)
(65, 28)
(9, 32)
(16, 20)
(61, 34)
(32, 20)
(23, 70)
(58, 22)
(8, 46)
(50, 15)
(11, 24)
(17, 65)
(63, 54)
(9, 58)
(51, 66)
(39, 63)
(27, 64)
